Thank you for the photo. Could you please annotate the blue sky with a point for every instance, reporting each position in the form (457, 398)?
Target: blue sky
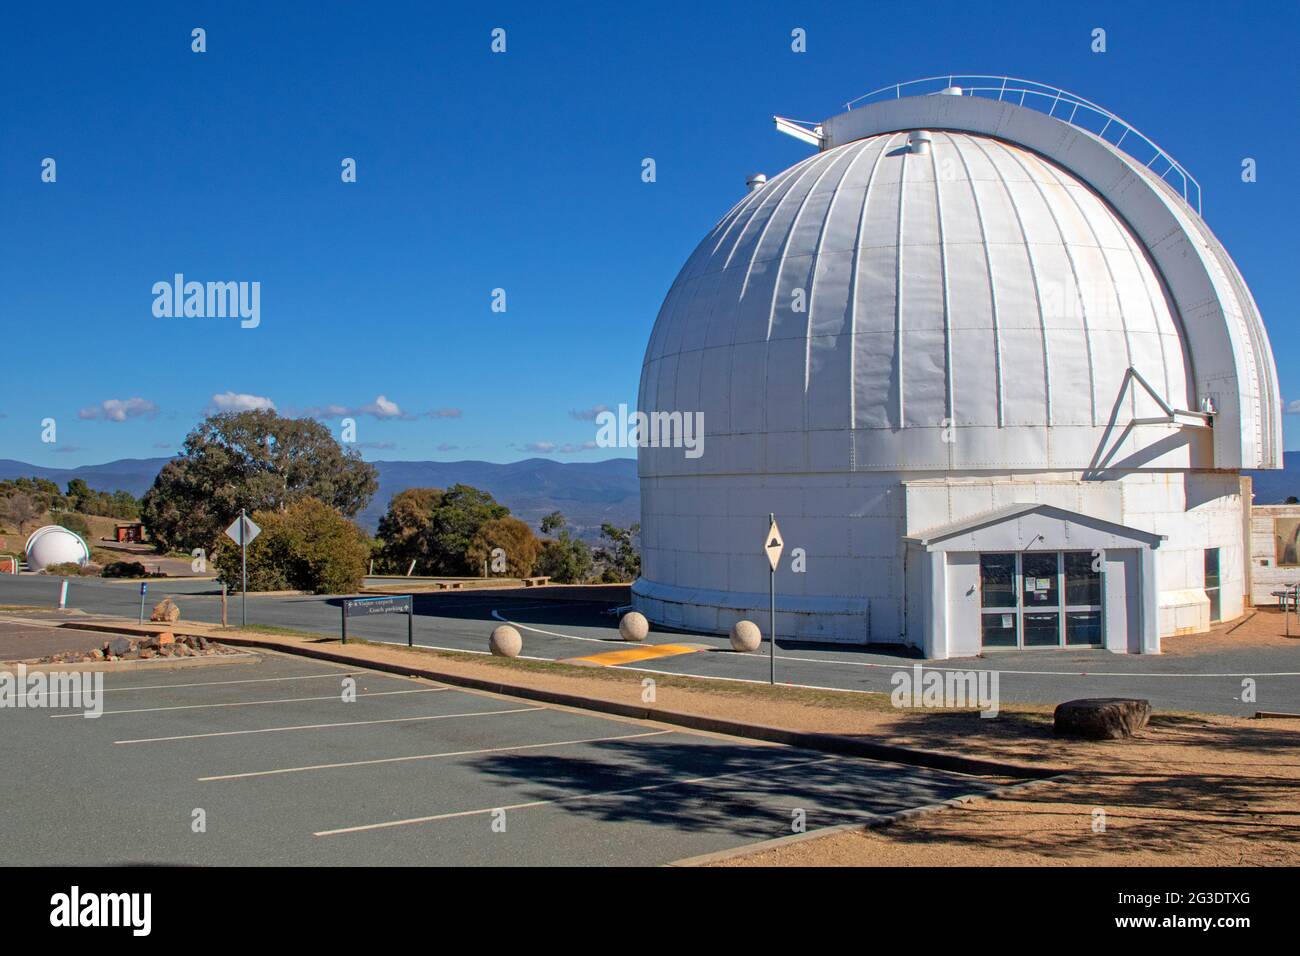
(478, 171)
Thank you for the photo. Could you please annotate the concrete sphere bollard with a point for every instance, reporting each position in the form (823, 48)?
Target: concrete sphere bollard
(745, 636)
(633, 626)
(505, 642)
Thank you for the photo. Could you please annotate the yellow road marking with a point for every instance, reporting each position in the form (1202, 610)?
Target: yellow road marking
(644, 653)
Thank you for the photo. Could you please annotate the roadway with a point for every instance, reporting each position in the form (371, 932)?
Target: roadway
(1210, 682)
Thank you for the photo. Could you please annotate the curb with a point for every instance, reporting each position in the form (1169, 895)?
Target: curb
(808, 740)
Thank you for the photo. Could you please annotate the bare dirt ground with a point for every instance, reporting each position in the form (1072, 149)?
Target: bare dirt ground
(1258, 627)
(1191, 790)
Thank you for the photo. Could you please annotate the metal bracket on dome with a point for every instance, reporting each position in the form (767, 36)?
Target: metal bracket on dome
(801, 130)
(1172, 416)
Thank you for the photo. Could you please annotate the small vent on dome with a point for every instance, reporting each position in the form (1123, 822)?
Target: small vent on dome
(755, 181)
(919, 142)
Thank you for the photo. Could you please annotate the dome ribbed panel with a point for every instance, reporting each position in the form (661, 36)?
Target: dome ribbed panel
(869, 303)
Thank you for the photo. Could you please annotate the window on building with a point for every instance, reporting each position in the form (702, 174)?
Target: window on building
(1212, 582)
(1286, 542)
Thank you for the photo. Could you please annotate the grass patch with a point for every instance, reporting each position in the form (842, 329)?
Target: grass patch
(285, 631)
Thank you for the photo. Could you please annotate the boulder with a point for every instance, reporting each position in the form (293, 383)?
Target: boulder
(1102, 718)
(166, 637)
(117, 646)
(634, 626)
(745, 636)
(505, 642)
(166, 611)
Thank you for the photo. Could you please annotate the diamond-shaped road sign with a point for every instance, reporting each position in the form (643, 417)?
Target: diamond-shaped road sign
(251, 530)
(774, 544)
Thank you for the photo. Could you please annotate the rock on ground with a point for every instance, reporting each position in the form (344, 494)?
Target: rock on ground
(1102, 718)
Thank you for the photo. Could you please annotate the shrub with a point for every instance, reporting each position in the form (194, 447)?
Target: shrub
(308, 546)
(74, 523)
(513, 537)
(565, 559)
(124, 569)
(66, 569)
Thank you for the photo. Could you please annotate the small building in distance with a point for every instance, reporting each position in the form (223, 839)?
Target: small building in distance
(130, 533)
(1274, 551)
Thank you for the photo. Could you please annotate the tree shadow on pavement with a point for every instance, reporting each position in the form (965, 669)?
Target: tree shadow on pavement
(749, 791)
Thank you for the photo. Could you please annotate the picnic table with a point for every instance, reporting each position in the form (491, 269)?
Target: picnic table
(1287, 597)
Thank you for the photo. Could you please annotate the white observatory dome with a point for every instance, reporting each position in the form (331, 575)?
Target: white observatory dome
(865, 303)
(972, 336)
(54, 544)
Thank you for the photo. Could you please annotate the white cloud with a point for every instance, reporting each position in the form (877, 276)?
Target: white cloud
(119, 409)
(588, 414)
(240, 402)
(550, 447)
(382, 408)
(1293, 407)
(444, 413)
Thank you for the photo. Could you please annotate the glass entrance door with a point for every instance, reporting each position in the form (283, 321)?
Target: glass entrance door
(1082, 598)
(1040, 596)
(1041, 599)
(1000, 612)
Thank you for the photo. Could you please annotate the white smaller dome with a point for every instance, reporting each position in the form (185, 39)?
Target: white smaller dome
(54, 544)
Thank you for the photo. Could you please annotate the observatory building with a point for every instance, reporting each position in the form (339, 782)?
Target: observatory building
(54, 544)
(987, 364)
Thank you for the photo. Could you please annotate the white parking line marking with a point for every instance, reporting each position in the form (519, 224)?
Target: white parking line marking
(250, 703)
(449, 753)
(573, 637)
(693, 781)
(217, 683)
(345, 723)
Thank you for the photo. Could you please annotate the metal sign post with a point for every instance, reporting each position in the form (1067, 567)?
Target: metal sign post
(773, 544)
(242, 531)
(144, 589)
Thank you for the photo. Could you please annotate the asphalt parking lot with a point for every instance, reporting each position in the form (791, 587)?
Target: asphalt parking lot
(282, 770)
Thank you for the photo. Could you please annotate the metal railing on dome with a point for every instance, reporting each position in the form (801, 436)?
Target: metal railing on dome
(1059, 104)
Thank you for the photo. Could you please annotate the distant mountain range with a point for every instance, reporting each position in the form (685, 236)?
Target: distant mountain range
(587, 492)
(1274, 487)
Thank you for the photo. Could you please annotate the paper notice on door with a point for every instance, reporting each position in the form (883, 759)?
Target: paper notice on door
(1006, 621)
